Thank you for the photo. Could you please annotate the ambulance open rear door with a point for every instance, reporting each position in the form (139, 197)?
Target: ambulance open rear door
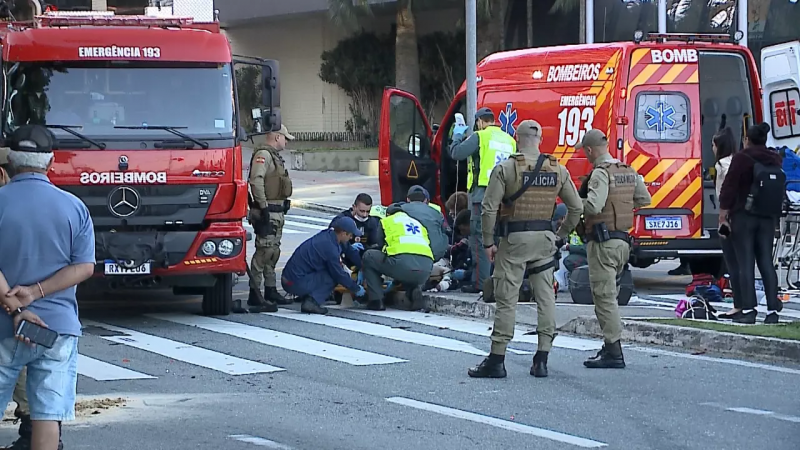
(780, 80)
(405, 152)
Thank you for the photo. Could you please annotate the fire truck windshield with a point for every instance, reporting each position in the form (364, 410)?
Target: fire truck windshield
(112, 102)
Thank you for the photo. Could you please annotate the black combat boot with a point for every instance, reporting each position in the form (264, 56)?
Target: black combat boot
(309, 306)
(539, 367)
(492, 367)
(376, 305)
(258, 307)
(609, 357)
(271, 294)
(415, 299)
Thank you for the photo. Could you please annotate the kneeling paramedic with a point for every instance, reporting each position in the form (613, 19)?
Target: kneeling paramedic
(406, 258)
(525, 188)
(612, 191)
(315, 267)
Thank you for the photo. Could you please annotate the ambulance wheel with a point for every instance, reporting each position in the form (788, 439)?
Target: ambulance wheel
(218, 299)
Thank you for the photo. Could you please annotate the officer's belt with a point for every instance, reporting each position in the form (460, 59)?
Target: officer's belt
(275, 208)
(621, 235)
(550, 265)
(519, 226)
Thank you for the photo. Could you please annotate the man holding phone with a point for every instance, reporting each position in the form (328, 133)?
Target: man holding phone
(46, 251)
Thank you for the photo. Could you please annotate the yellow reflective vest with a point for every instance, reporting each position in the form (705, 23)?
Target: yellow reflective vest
(405, 236)
(495, 147)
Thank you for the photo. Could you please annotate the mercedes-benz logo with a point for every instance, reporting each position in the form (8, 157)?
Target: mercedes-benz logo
(123, 201)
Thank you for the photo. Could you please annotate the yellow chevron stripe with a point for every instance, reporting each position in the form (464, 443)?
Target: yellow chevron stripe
(639, 162)
(694, 78)
(637, 56)
(658, 170)
(672, 74)
(673, 181)
(643, 77)
(687, 194)
(697, 208)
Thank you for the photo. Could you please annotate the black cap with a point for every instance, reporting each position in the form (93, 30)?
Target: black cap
(416, 190)
(347, 224)
(484, 113)
(32, 139)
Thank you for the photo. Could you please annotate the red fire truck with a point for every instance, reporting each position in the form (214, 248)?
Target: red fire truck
(145, 112)
(659, 99)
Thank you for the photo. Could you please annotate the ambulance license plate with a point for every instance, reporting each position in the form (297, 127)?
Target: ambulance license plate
(663, 223)
(116, 269)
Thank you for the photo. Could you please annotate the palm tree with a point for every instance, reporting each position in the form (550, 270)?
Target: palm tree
(491, 31)
(345, 13)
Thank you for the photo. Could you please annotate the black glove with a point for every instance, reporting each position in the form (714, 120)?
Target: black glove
(560, 242)
(287, 205)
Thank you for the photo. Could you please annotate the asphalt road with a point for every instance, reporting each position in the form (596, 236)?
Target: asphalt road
(397, 380)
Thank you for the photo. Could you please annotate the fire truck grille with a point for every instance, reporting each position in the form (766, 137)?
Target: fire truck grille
(145, 206)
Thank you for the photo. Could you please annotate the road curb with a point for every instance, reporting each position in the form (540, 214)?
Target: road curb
(692, 339)
(445, 304)
(319, 207)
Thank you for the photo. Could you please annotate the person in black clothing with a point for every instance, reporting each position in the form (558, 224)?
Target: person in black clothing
(366, 224)
(752, 236)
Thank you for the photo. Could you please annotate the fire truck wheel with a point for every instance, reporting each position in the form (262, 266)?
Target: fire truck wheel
(218, 299)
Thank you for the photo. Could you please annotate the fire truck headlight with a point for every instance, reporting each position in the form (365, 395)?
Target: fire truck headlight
(208, 248)
(225, 248)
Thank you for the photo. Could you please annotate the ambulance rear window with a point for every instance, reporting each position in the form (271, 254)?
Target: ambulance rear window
(662, 117)
(784, 104)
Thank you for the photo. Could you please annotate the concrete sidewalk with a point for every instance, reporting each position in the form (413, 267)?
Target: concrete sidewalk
(331, 192)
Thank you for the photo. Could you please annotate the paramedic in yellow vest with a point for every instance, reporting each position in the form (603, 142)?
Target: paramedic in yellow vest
(614, 191)
(270, 189)
(521, 198)
(406, 258)
(483, 150)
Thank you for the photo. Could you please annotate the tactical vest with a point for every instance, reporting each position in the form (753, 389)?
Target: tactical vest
(277, 184)
(495, 147)
(617, 213)
(405, 235)
(533, 210)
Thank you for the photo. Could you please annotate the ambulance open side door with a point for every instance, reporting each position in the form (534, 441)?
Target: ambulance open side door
(404, 147)
(780, 82)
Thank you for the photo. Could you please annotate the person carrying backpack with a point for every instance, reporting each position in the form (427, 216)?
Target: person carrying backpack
(751, 202)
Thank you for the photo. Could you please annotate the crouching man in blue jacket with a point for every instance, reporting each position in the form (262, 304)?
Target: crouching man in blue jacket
(315, 267)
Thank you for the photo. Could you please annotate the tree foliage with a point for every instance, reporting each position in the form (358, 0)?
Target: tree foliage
(361, 66)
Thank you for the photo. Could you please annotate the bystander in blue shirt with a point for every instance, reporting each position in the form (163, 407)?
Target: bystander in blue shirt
(43, 229)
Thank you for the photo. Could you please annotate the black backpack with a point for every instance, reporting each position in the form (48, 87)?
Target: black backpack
(767, 191)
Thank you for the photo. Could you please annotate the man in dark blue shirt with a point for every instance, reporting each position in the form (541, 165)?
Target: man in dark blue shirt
(367, 224)
(315, 267)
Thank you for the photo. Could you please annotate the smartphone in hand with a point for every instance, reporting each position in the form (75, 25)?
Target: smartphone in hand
(460, 119)
(724, 230)
(37, 334)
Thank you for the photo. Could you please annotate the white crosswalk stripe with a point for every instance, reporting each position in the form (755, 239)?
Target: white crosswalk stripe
(299, 224)
(92, 366)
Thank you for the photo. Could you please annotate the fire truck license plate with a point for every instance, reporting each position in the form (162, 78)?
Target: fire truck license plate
(662, 223)
(116, 269)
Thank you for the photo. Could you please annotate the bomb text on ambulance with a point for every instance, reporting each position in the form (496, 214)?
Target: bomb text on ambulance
(674, 55)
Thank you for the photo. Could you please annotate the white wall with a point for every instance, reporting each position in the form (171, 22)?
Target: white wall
(307, 103)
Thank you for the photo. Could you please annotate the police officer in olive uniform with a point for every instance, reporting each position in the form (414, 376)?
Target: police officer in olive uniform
(270, 189)
(524, 188)
(610, 194)
(483, 150)
(406, 257)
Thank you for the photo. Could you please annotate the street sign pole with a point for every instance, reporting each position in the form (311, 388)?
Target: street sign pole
(741, 16)
(472, 63)
(662, 16)
(589, 21)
